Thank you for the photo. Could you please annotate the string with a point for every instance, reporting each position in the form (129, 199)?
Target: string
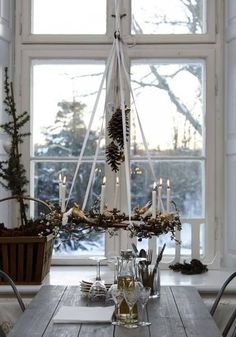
(93, 165)
(122, 99)
(109, 78)
(138, 118)
(91, 121)
(118, 53)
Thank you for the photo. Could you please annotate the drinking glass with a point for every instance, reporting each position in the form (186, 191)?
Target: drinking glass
(150, 276)
(117, 296)
(98, 290)
(144, 294)
(131, 296)
(113, 260)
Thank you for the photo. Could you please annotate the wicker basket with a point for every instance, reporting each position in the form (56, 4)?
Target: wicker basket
(26, 259)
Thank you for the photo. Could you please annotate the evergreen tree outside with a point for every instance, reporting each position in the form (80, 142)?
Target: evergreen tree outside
(65, 139)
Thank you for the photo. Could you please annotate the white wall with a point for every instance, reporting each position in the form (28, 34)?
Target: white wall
(6, 38)
(230, 132)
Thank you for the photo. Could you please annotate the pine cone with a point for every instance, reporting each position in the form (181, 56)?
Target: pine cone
(114, 156)
(115, 127)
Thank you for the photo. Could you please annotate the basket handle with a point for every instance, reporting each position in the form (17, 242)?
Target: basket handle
(19, 198)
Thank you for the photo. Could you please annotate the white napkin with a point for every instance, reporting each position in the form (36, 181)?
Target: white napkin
(72, 314)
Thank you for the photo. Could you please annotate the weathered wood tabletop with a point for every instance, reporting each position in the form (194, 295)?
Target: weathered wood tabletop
(179, 312)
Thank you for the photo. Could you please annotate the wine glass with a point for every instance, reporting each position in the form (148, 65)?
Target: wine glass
(98, 290)
(138, 284)
(117, 296)
(131, 296)
(144, 294)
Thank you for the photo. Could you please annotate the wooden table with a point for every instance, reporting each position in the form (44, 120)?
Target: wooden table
(179, 312)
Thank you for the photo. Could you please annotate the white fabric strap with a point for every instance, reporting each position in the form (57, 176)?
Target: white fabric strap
(91, 177)
(122, 103)
(115, 58)
(91, 120)
(138, 118)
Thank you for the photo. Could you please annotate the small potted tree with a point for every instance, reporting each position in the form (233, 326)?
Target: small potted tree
(25, 250)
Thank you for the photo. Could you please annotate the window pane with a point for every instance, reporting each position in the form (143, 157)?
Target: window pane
(168, 17)
(46, 188)
(169, 99)
(93, 245)
(68, 17)
(187, 189)
(186, 237)
(63, 98)
(169, 251)
(46, 176)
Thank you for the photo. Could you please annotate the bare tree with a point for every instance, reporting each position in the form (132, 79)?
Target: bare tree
(193, 22)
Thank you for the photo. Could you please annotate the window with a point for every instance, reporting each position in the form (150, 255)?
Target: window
(171, 56)
(158, 17)
(48, 16)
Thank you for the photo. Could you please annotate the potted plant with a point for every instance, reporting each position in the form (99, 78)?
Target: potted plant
(25, 250)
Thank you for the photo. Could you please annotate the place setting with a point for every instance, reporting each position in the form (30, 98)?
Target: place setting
(121, 303)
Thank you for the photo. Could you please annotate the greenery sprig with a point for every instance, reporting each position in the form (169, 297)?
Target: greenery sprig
(12, 171)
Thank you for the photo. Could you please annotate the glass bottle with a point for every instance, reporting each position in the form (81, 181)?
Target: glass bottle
(126, 279)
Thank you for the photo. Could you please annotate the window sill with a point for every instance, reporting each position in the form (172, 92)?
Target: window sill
(208, 282)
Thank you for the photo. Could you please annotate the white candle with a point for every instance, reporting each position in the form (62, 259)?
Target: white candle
(102, 195)
(60, 184)
(154, 196)
(159, 201)
(63, 195)
(168, 196)
(117, 189)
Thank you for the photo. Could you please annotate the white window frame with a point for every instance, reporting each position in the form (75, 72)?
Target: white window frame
(205, 46)
(183, 52)
(28, 37)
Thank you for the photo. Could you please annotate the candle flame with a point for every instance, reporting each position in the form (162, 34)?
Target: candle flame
(60, 178)
(168, 183)
(117, 181)
(160, 183)
(104, 180)
(154, 185)
(64, 180)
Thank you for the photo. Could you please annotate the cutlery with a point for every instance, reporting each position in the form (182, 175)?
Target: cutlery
(159, 257)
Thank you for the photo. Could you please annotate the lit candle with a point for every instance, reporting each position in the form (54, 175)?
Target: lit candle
(168, 196)
(154, 196)
(60, 184)
(117, 189)
(63, 195)
(102, 195)
(159, 201)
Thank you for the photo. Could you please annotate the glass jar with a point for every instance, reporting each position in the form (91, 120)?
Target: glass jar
(126, 279)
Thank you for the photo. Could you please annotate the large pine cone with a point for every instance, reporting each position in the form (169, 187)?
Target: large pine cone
(115, 127)
(114, 156)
